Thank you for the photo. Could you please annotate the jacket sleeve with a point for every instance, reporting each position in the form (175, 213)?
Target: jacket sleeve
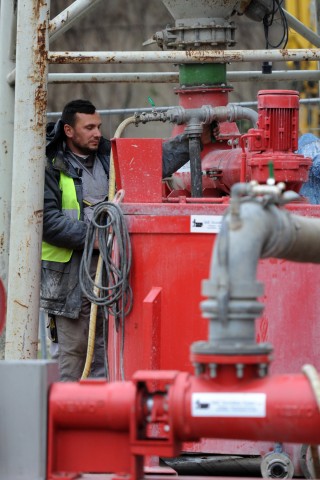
(175, 154)
(59, 229)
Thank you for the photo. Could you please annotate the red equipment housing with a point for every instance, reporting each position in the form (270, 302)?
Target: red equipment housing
(268, 148)
(172, 236)
(95, 426)
(99, 427)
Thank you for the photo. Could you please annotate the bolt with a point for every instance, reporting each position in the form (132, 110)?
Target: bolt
(149, 404)
(166, 428)
(213, 370)
(262, 370)
(198, 369)
(239, 369)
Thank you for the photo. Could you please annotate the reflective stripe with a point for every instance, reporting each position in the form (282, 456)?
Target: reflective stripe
(70, 208)
(70, 205)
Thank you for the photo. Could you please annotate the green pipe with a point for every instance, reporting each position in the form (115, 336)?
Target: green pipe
(203, 74)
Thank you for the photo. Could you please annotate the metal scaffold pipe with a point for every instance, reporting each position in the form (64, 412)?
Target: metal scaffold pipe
(27, 180)
(173, 77)
(138, 77)
(304, 31)
(197, 56)
(62, 22)
(8, 21)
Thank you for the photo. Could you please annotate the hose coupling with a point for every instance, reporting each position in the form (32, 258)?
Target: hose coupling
(277, 465)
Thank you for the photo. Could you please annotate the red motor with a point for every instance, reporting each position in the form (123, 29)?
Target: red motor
(278, 122)
(268, 148)
(273, 143)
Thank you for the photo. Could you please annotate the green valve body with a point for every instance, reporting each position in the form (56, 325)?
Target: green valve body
(203, 74)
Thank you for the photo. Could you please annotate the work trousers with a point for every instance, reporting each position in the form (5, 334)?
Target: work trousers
(73, 341)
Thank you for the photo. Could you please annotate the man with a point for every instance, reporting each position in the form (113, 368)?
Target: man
(77, 176)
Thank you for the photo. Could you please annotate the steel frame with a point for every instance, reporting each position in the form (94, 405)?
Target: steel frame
(22, 138)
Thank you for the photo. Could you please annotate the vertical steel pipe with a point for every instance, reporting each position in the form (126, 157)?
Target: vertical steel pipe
(28, 180)
(7, 41)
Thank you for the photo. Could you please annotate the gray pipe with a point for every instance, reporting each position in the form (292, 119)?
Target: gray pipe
(207, 114)
(236, 112)
(250, 231)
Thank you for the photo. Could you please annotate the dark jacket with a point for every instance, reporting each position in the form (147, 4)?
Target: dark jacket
(60, 288)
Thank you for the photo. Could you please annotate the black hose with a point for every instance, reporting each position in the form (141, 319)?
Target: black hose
(114, 291)
(195, 166)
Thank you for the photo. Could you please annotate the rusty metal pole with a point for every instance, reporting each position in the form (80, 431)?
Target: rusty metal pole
(8, 21)
(27, 179)
(185, 57)
(7, 41)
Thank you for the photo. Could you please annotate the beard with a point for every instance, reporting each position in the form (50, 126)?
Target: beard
(84, 149)
(88, 150)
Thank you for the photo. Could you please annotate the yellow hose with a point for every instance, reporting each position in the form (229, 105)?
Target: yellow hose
(92, 323)
(97, 280)
(112, 176)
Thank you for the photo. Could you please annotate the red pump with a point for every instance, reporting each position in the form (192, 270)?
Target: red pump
(269, 147)
(95, 426)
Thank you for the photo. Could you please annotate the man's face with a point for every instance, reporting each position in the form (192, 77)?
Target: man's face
(83, 138)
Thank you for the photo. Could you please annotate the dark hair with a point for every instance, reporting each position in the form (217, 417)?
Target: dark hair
(76, 106)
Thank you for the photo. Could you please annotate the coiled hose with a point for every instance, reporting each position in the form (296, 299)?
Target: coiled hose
(110, 289)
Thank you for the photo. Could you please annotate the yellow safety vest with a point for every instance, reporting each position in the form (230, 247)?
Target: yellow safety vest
(71, 208)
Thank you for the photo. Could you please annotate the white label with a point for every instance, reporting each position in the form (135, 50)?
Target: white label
(184, 168)
(205, 223)
(229, 405)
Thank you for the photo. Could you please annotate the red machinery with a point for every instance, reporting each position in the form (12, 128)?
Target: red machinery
(172, 234)
(173, 226)
(273, 143)
(100, 427)
(112, 427)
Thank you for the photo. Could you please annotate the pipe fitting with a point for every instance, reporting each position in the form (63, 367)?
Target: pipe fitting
(153, 116)
(193, 129)
(232, 291)
(277, 465)
(207, 114)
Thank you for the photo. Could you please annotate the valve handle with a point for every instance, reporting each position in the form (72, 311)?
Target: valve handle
(153, 105)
